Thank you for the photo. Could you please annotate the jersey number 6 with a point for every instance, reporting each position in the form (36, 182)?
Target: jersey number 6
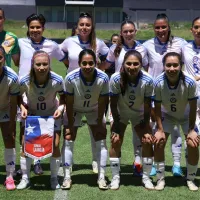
(173, 107)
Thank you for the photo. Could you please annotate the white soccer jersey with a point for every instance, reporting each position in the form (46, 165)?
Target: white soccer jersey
(156, 51)
(175, 100)
(86, 94)
(73, 46)
(9, 85)
(41, 100)
(133, 100)
(28, 47)
(119, 60)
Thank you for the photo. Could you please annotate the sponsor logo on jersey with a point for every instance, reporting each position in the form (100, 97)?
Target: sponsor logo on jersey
(87, 96)
(41, 93)
(41, 98)
(132, 92)
(88, 91)
(173, 95)
(132, 97)
(173, 100)
(6, 117)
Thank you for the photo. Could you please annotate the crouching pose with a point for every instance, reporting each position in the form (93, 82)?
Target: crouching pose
(175, 105)
(87, 94)
(131, 92)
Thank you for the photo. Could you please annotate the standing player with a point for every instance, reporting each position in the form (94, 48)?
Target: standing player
(8, 108)
(131, 92)
(87, 94)
(9, 42)
(116, 55)
(175, 105)
(157, 47)
(34, 42)
(44, 84)
(86, 39)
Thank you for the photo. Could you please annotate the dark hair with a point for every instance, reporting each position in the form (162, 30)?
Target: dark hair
(114, 35)
(87, 52)
(123, 74)
(121, 39)
(194, 20)
(179, 60)
(163, 16)
(2, 10)
(74, 30)
(36, 17)
(92, 36)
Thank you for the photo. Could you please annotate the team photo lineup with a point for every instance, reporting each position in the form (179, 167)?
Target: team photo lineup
(153, 87)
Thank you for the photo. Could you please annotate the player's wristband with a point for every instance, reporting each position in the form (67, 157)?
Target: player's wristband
(61, 108)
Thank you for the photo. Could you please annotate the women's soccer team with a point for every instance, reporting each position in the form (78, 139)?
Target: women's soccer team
(147, 88)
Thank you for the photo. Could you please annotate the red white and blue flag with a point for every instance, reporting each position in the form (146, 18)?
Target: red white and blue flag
(38, 137)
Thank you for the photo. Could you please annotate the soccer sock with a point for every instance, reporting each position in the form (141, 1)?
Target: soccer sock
(102, 153)
(191, 172)
(36, 161)
(176, 144)
(67, 157)
(10, 157)
(160, 169)
(54, 166)
(20, 149)
(147, 166)
(93, 145)
(25, 167)
(137, 147)
(114, 165)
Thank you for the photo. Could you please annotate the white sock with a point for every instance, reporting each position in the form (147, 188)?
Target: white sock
(191, 172)
(147, 166)
(93, 145)
(36, 161)
(137, 147)
(25, 164)
(20, 149)
(67, 157)
(54, 166)
(10, 157)
(114, 165)
(160, 166)
(176, 144)
(102, 153)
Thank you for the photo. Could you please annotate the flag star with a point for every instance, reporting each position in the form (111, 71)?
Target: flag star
(29, 129)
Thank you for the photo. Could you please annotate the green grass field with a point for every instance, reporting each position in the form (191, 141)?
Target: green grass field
(84, 181)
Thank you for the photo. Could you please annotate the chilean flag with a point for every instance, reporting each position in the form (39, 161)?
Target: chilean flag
(38, 137)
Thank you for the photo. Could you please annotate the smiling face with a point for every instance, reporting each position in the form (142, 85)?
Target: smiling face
(172, 68)
(115, 39)
(161, 29)
(128, 33)
(84, 27)
(196, 31)
(35, 30)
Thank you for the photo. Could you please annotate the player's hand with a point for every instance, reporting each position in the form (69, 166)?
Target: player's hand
(147, 138)
(24, 113)
(159, 138)
(193, 138)
(57, 114)
(114, 138)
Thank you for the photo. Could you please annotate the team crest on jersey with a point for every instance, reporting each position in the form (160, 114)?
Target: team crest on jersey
(87, 96)
(173, 100)
(41, 98)
(132, 97)
(6, 43)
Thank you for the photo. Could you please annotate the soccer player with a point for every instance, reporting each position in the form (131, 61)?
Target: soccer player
(116, 54)
(9, 42)
(34, 42)
(131, 91)
(175, 105)
(8, 108)
(86, 39)
(157, 47)
(87, 95)
(44, 84)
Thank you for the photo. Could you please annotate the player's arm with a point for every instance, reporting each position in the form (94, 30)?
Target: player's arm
(69, 109)
(102, 102)
(60, 109)
(66, 62)
(15, 58)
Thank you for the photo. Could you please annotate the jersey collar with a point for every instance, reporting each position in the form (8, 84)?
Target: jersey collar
(40, 43)
(81, 42)
(83, 78)
(136, 43)
(169, 84)
(137, 81)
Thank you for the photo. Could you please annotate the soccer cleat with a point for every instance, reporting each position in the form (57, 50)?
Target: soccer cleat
(177, 171)
(24, 183)
(160, 184)
(37, 169)
(114, 185)
(95, 167)
(67, 184)
(102, 184)
(153, 171)
(137, 169)
(148, 184)
(54, 183)
(191, 185)
(10, 184)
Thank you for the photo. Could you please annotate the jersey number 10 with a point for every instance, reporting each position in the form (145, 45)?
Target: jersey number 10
(41, 106)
